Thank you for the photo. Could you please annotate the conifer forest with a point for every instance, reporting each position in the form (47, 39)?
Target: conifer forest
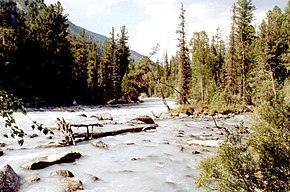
(44, 64)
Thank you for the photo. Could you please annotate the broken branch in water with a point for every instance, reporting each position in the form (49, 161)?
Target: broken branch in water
(219, 127)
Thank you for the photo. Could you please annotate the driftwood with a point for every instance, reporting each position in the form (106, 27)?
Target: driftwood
(87, 126)
(51, 160)
(219, 127)
(66, 131)
(116, 132)
(164, 101)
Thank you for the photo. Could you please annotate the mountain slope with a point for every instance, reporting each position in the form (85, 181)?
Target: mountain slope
(77, 29)
(99, 38)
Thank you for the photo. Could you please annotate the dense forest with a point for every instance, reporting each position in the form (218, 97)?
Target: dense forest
(43, 63)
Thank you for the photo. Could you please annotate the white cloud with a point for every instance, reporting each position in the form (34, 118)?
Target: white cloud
(159, 26)
(86, 7)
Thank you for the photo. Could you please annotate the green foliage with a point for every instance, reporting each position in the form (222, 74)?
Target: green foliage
(9, 104)
(225, 103)
(182, 109)
(257, 162)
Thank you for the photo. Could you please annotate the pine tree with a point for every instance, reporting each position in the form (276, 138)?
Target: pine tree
(245, 35)
(80, 55)
(92, 70)
(12, 35)
(203, 71)
(116, 68)
(231, 67)
(123, 52)
(184, 75)
(217, 52)
(166, 67)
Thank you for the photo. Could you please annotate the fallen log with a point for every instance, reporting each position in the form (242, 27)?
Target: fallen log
(116, 132)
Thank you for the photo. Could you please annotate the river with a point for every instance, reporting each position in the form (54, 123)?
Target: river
(151, 161)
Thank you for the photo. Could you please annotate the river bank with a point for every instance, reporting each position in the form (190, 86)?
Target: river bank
(164, 159)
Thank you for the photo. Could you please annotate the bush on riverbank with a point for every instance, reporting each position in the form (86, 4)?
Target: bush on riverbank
(259, 161)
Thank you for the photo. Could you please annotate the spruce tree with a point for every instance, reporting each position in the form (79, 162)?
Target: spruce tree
(203, 71)
(184, 75)
(123, 52)
(92, 70)
(245, 36)
(231, 66)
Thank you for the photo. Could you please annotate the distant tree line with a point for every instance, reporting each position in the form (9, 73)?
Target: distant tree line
(43, 63)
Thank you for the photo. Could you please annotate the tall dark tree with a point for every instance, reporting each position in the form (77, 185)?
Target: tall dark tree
(245, 36)
(123, 52)
(184, 75)
(80, 55)
(231, 66)
(203, 71)
(217, 51)
(93, 62)
(12, 35)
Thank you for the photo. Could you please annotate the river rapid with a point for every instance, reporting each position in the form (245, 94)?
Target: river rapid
(164, 159)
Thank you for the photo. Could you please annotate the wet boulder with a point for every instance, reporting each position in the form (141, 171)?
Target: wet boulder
(9, 180)
(106, 116)
(72, 184)
(144, 119)
(100, 144)
(32, 179)
(103, 116)
(83, 115)
(63, 173)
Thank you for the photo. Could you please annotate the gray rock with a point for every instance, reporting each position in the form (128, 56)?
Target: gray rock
(195, 152)
(33, 179)
(33, 135)
(100, 144)
(103, 116)
(83, 115)
(145, 119)
(63, 173)
(106, 116)
(2, 144)
(9, 180)
(72, 184)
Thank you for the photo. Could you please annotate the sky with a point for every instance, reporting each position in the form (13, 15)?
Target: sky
(152, 22)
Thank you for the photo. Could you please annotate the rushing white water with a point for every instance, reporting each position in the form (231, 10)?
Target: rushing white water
(155, 160)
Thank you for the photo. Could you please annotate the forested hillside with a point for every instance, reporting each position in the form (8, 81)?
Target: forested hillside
(43, 63)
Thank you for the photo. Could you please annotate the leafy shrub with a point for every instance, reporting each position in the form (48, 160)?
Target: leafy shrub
(259, 161)
(9, 104)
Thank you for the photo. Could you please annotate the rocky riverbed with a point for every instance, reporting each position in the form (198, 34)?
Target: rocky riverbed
(161, 159)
